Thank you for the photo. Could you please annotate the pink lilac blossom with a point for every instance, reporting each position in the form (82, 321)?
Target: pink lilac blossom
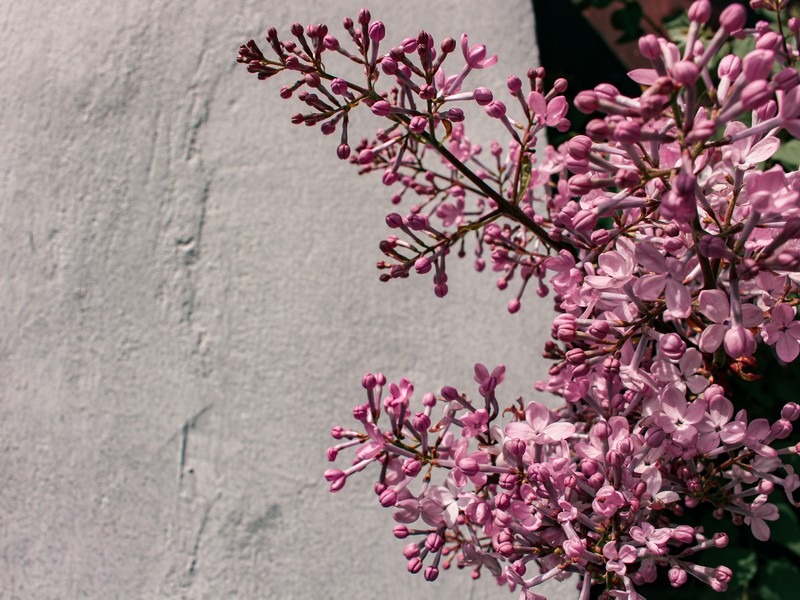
(671, 250)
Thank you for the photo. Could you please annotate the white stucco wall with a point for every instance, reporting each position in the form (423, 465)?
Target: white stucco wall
(189, 300)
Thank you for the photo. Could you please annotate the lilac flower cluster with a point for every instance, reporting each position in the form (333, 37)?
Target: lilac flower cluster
(672, 252)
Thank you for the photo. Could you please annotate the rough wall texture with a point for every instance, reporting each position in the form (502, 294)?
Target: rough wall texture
(188, 304)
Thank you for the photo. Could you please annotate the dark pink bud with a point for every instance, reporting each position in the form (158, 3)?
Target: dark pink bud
(649, 46)
(483, 96)
(514, 84)
(449, 393)
(514, 305)
(614, 458)
(576, 356)
(626, 447)
(683, 534)
(389, 177)
(332, 454)
(627, 132)
(677, 576)
(431, 573)
(700, 11)
(312, 80)
(730, 65)
(600, 237)
(336, 477)
(368, 381)
(343, 151)
(381, 108)
(421, 421)
(755, 94)
(685, 72)
(758, 64)
(738, 341)
(428, 400)
(579, 147)
(655, 437)
(360, 412)
(434, 541)
(364, 16)
(337, 432)
(794, 25)
(389, 65)
(469, 465)
(330, 42)
(496, 109)
(414, 565)
(781, 429)
(560, 85)
(672, 346)
(339, 86)
(448, 45)
(327, 128)
(790, 411)
(400, 532)
(456, 115)
(586, 101)
(771, 40)
(516, 446)
(376, 31)
(765, 487)
(733, 18)
(411, 550)
(598, 130)
(418, 222)
(601, 430)
(393, 220)
(786, 80)
(409, 45)
(607, 90)
(388, 498)
(502, 501)
(297, 29)
(580, 185)
(411, 466)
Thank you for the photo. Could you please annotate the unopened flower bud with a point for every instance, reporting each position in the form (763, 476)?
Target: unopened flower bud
(434, 541)
(672, 346)
(683, 534)
(733, 18)
(381, 108)
(376, 31)
(700, 11)
(431, 573)
(649, 46)
(781, 429)
(765, 487)
(516, 446)
(336, 477)
(496, 109)
(685, 72)
(758, 64)
(514, 84)
(677, 576)
(655, 437)
(483, 96)
(514, 305)
(388, 497)
(414, 565)
(586, 101)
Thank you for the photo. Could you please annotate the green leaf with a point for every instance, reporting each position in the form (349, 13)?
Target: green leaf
(787, 530)
(789, 154)
(628, 20)
(781, 581)
(525, 177)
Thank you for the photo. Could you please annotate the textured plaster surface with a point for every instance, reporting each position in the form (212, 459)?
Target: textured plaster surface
(189, 301)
